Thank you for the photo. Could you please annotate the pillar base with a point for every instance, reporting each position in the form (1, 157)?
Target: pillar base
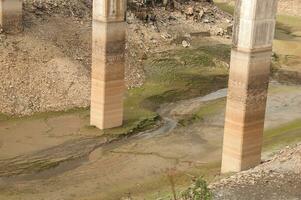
(245, 113)
(253, 35)
(11, 20)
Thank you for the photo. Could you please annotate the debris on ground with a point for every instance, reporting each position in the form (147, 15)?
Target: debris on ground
(47, 67)
(277, 178)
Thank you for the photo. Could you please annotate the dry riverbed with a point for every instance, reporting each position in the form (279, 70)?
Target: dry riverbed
(91, 168)
(172, 130)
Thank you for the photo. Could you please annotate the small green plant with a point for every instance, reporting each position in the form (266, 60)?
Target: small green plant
(198, 190)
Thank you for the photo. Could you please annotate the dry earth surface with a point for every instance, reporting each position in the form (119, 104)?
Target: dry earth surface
(47, 67)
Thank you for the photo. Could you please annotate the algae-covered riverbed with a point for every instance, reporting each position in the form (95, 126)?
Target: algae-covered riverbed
(137, 166)
(52, 145)
(171, 76)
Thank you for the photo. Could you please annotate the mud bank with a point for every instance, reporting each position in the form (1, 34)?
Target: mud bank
(137, 165)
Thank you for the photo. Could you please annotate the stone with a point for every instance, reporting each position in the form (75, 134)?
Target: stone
(166, 35)
(185, 44)
(189, 11)
(201, 13)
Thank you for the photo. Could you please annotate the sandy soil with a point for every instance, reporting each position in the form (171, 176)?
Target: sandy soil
(290, 7)
(47, 67)
(42, 68)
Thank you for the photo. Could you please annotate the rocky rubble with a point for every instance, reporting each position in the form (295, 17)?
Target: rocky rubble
(47, 67)
(201, 12)
(274, 178)
(78, 8)
(156, 29)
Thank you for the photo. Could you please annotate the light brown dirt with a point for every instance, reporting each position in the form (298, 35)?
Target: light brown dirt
(290, 7)
(41, 69)
(47, 67)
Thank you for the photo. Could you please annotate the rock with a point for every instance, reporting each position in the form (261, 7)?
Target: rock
(172, 18)
(189, 11)
(206, 21)
(201, 14)
(230, 29)
(166, 36)
(219, 32)
(165, 2)
(185, 44)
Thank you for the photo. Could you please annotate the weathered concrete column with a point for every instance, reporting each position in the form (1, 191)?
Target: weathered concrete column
(11, 15)
(248, 83)
(108, 63)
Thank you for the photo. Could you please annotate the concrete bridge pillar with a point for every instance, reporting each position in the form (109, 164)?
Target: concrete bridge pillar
(108, 62)
(248, 83)
(11, 15)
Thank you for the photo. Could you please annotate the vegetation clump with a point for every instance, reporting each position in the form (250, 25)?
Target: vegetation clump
(197, 191)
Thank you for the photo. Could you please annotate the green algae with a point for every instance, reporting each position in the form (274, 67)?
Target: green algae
(289, 23)
(45, 115)
(176, 75)
(283, 135)
(183, 74)
(206, 110)
(226, 7)
(3, 117)
(171, 76)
